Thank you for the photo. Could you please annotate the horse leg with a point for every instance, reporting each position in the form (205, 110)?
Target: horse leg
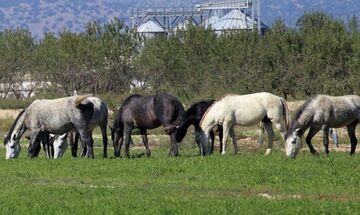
(334, 136)
(120, 143)
(37, 149)
(280, 126)
(51, 144)
(86, 138)
(271, 136)
(212, 138)
(351, 132)
(233, 137)
(261, 134)
(83, 147)
(313, 130)
(44, 137)
(226, 129)
(105, 140)
(74, 144)
(145, 141)
(127, 135)
(220, 129)
(326, 139)
(174, 151)
(34, 144)
(198, 139)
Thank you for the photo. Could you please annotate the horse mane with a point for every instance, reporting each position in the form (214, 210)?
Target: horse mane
(14, 124)
(226, 95)
(303, 107)
(80, 98)
(118, 119)
(193, 107)
(206, 112)
(298, 114)
(127, 100)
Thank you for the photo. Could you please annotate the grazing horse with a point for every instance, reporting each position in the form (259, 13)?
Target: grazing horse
(147, 112)
(60, 144)
(193, 116)
(323, 112)
(245, 110)
(58, 116)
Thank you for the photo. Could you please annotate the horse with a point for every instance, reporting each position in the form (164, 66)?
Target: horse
(46, 141)
(58, 116)
(60, 144)
(245, 110)
(193, 116)
(146, 112)
(334, 136)
(323, 112)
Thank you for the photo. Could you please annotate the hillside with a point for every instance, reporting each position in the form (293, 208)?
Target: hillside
(53, 15)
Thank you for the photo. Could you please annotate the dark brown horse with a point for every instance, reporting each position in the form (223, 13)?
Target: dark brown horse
(147, 112)
(193, 117)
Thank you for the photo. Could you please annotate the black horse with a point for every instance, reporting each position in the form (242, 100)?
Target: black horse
(147, 112)
(193, 117)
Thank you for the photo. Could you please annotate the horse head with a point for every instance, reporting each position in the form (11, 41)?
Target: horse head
(60, 144)
(293, 143)
(116, 137)
(12, 146)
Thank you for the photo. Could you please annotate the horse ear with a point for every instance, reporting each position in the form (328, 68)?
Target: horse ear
(27, 137)
(297, 130)
(63, 136)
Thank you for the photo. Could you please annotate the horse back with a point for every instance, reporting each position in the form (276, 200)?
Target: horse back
(244, 109)
(51, 115)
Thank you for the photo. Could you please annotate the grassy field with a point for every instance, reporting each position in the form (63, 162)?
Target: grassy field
(248, 183)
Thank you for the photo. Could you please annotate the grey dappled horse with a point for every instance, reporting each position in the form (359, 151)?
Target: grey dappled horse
(323, 112)
(58, 116)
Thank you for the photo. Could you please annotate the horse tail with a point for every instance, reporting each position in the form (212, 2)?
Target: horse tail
(286, 112)
(181, 114)
(180, 118)
(79, 101)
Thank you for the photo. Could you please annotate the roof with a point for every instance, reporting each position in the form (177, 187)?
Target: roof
(211, 21)
(150, 27)
(236, 19)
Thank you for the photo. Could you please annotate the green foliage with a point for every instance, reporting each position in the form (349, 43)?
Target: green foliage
(320, 55)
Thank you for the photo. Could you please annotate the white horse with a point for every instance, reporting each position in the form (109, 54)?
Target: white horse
(60, 144)
(245, 110)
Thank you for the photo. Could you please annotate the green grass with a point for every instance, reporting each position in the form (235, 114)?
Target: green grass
(185, 185)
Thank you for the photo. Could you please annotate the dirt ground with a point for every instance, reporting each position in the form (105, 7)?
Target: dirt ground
(9, 113)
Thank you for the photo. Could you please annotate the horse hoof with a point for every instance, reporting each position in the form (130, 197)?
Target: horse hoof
(223, 153)
(268, 151)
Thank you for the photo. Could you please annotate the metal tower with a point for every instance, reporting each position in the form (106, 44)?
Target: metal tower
(168, 18)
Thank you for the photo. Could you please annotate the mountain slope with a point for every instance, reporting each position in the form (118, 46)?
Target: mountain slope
(41, 16)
